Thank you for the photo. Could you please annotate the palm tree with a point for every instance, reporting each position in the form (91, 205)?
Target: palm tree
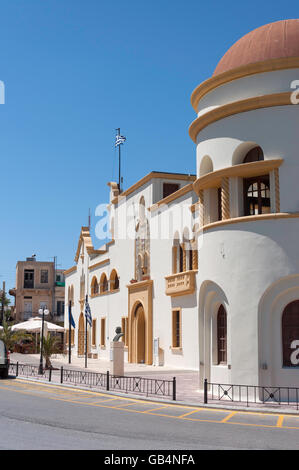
(9, 337)
(50, 346)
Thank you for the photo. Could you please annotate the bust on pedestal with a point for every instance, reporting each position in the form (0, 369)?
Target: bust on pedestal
(117, 353)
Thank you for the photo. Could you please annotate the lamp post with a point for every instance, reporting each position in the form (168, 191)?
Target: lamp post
(42, 311)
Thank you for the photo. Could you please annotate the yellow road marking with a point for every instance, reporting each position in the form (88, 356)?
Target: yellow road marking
(280, 421)
(154, 409)
(120, 407)
(186, 416)
(105, 401)
(229, 416)
(190, 413)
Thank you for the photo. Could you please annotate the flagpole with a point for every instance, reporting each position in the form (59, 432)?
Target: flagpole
(119, 177)
(70, 331)
(86, 334)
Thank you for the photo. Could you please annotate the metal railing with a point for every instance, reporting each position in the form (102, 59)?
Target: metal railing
(144, 385)
(78, 377)
(27, 370)
(105, 381)
(251, 394)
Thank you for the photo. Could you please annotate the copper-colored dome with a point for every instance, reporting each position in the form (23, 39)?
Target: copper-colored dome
(272, 41)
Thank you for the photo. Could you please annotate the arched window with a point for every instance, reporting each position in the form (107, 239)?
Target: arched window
(254, 155)
(181, 259)
(221, 335)
(142, 209)
(82, 286)
(290, 334)
(94, 286)
(112, 228)
(72, 294)
(257, 195)
(175, 253)
(206, 165)
(103, 283)
(145, 263)
(114, 280)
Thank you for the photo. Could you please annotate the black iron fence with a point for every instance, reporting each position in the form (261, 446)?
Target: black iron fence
(26, 370)
(105, 381)
(251, 394)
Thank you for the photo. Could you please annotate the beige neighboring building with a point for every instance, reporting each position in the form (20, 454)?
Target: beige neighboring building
(38, 284)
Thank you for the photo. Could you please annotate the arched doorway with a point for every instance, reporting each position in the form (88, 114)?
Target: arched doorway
(290, 334)
(81, 335)
(138, 331)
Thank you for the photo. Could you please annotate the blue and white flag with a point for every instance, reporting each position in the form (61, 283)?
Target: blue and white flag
(119, 139)
(71, 318)
(88, 313)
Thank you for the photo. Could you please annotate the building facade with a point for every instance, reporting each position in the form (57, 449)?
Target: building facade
(209, 277)
(38, 284)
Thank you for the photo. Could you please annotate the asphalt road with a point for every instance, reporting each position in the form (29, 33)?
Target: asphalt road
(36, 416)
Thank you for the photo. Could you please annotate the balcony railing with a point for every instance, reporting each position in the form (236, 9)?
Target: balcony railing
(180, 283)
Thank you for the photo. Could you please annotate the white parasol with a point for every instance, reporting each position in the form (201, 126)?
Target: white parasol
(35, 325)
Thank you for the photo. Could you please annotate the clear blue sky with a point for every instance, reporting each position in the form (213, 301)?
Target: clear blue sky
(74, 70)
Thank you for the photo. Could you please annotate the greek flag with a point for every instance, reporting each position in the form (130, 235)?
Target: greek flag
(88, 313)
(119, 139)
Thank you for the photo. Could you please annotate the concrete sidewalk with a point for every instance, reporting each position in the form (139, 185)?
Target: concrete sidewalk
(187, 380)
(187, 391)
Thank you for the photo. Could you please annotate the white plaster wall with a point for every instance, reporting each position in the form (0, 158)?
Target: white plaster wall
(175, 218)
(278, 81)
(243, 260)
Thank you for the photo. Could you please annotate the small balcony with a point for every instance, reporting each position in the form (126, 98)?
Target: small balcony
(180, 283)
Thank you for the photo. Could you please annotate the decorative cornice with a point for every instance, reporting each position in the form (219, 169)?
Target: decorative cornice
(244, 170)
(92, 251)
(70, 270)
(250, 218)
(145, 179)
(271, 65)
(242, 106)
(172, 197)
(97, 265)
(84, 236)
(140, 285)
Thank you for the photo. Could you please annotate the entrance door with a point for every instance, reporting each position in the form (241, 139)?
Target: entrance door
(81, 336)
(139, 334)
(27, 310)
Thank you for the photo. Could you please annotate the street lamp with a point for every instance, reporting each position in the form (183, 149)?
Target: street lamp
(42, 311)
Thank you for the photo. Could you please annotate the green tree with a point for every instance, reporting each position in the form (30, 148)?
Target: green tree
(51, 345)
(5, 298)
(10, 337)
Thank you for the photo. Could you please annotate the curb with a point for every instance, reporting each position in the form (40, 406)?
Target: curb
(213, 406)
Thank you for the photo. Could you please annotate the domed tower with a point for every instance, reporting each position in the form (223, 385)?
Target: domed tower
(246, 135)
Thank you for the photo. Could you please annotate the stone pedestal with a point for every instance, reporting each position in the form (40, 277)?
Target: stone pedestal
(117, 349)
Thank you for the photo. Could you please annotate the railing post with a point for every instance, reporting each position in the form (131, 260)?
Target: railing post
(174, 389)
(205, 391)
(17, 369)
(61, 374)
(50, 374)
(107, 381)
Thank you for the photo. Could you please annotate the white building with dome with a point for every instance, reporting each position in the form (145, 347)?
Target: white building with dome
(208, 278)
